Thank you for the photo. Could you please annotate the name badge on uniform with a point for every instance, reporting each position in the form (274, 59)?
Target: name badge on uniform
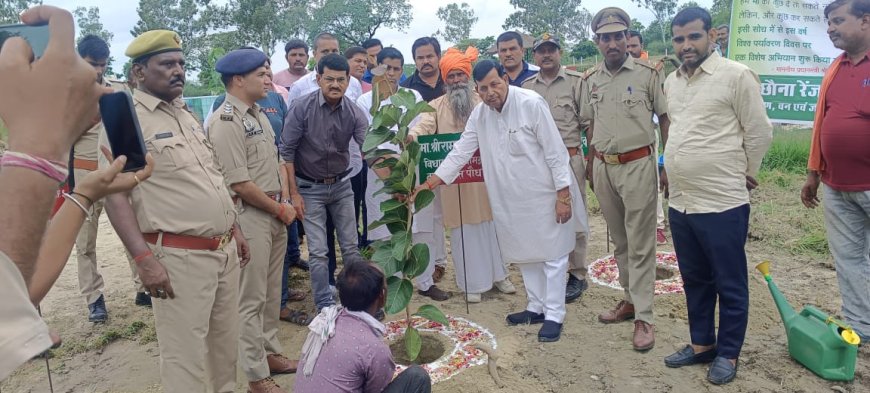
(249, 128)
(251, 133)
(163, 135)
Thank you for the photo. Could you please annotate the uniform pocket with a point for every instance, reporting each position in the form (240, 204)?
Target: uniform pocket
(174, 151)
(636, 105)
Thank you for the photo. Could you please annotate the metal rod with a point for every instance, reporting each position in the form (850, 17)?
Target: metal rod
(45, 355)
(462, 239)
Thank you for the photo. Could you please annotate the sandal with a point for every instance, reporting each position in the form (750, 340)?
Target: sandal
(297, 317)
(295, 296)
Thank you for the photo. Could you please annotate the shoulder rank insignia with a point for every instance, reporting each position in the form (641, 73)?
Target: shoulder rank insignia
(227, 114)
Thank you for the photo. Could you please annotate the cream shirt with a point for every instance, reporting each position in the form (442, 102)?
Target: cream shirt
(719, 133)
(23, 333)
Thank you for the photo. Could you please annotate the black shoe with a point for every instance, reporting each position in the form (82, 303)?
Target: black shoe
(97, 310)
(524, 317)
(301, 264)
(143, 300)
(688, 357)
(574, 288)
(721, 371)
(550, 332)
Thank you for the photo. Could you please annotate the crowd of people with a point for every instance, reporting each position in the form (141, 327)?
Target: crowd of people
(212, 224)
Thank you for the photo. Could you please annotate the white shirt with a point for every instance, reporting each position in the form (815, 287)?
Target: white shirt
(422, 220)
(308, 84)
(524, 164)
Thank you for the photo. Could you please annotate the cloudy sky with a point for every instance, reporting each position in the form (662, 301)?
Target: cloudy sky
(119, 17)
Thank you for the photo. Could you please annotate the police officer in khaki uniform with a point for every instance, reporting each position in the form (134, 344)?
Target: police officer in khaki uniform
(85, 153)
(244, 143)
(563, 90)
(620, 96)
(180, 228)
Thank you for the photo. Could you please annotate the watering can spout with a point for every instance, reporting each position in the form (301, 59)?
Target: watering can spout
(786, 312)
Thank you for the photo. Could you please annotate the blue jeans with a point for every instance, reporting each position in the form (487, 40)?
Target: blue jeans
(290, 258)
(847, 219)
(712, 259)
(335, 200)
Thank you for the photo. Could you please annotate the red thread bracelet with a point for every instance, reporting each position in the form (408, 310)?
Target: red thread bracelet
(142, 256)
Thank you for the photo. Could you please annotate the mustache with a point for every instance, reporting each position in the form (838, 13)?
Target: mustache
(176, 80)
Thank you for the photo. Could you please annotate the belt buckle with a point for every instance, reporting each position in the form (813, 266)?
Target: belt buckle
(330, 180)
(612, 159)
(225, 240)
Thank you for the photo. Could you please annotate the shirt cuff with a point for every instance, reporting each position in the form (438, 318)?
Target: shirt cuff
(237, 175)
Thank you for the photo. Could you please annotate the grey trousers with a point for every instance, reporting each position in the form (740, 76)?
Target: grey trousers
(413, 380)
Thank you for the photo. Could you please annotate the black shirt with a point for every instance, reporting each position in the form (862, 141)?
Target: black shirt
(427, 92)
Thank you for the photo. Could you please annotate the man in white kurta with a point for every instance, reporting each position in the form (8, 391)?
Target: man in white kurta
(426, 228)
(466, 206)
(531, 190)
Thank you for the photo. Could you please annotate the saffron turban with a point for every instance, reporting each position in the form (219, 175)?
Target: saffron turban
(454, 59)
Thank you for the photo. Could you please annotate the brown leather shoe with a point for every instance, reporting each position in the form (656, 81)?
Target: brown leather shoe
(265, 385)
(644, 336)
(623, 311)
(438, 274)
(435, 293)
(279, 364)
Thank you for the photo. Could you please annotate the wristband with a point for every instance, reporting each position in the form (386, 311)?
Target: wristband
(91, 201)
(56, 170)
(141, 257)
(79, 204)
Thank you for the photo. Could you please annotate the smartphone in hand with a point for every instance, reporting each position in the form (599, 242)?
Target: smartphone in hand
(36, 36)
(122, 129)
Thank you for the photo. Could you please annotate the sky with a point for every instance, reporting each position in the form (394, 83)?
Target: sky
(119, 17)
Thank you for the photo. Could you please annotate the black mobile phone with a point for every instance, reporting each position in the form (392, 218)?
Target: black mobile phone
(36, 36)
(122, 129)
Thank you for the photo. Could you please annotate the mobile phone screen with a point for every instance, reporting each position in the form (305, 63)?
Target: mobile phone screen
(36, 36)
(122, 129)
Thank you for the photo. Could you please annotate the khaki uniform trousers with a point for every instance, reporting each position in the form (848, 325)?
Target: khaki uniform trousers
(577, 263)
(198, 331)
(260, 291)
(627, 195)
(90, 280)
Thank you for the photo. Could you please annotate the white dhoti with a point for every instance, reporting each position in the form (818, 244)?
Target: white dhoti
(545, 287)
(482, 250)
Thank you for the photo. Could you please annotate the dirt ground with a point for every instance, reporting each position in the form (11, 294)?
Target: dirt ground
(122, 355)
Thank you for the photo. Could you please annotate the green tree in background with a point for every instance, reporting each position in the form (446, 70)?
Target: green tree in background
(89, 23)
(562, 18)
(458, 20)
(191, 19)
(266, 23)
(663, 11)
(721, 12)
(354, 21)
(9, 10)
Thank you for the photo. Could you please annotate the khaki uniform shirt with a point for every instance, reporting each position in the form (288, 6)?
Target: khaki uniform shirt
(563, 94)
(87, 147)
(719, 134)
(475, 200)
(186, 194)
(244, 143)
(23, 334)
(621, 105)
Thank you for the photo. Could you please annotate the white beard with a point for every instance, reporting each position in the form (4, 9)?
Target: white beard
(459, 96)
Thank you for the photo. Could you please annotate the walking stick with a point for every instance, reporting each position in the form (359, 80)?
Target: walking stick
(462, 239)
(45, 355)
(608, 238)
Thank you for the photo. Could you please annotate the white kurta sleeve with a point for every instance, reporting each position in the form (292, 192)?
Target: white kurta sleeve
(555, 154)
(462, 151)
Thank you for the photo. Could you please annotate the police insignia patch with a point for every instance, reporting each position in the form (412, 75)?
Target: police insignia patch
(227, 115)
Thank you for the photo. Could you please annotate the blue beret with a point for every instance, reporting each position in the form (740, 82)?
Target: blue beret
(240, 62)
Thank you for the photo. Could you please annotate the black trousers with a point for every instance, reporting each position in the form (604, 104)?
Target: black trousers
(712, 259)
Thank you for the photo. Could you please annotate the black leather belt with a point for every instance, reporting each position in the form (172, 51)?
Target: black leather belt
(328, 180)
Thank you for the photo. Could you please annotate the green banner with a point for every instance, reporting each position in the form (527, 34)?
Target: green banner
(433, 150)
(786, 43)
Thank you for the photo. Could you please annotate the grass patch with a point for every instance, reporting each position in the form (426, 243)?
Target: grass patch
(132, 331)
(789, 150)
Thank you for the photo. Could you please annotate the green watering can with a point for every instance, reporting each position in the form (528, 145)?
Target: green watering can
(826, 346)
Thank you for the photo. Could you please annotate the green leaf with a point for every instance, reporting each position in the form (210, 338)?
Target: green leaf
(423, 199)
(387, 163)
(403, 99)
(376, 104)
(399, 292)
(383, 152)
(413, 343)
(408, 181)
(396, 227)
(391, 204)
(413, 150)
(432, 313)
(418, 261)
(375, 137)
(401, 241)
(384, 221)
(390, 115)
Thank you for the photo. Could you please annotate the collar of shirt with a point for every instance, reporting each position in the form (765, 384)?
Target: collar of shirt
(628, 64)
(241, 106)
(539, 77)
(523, 75)
(709, 65)
(147, 100)
(866, 56)
(321, 101)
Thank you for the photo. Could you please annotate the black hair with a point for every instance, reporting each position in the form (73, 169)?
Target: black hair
(635, 33)
(94, 47)
(295, 44)
(484, 67)
(322, 36)
(508, 36)
(724, 27)
(371, 43)
(390, 53)
(333, 61)
(226, 79)
(353, 51)
(359, 285)
(423, 41)
(691, 14)
(857, 7)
